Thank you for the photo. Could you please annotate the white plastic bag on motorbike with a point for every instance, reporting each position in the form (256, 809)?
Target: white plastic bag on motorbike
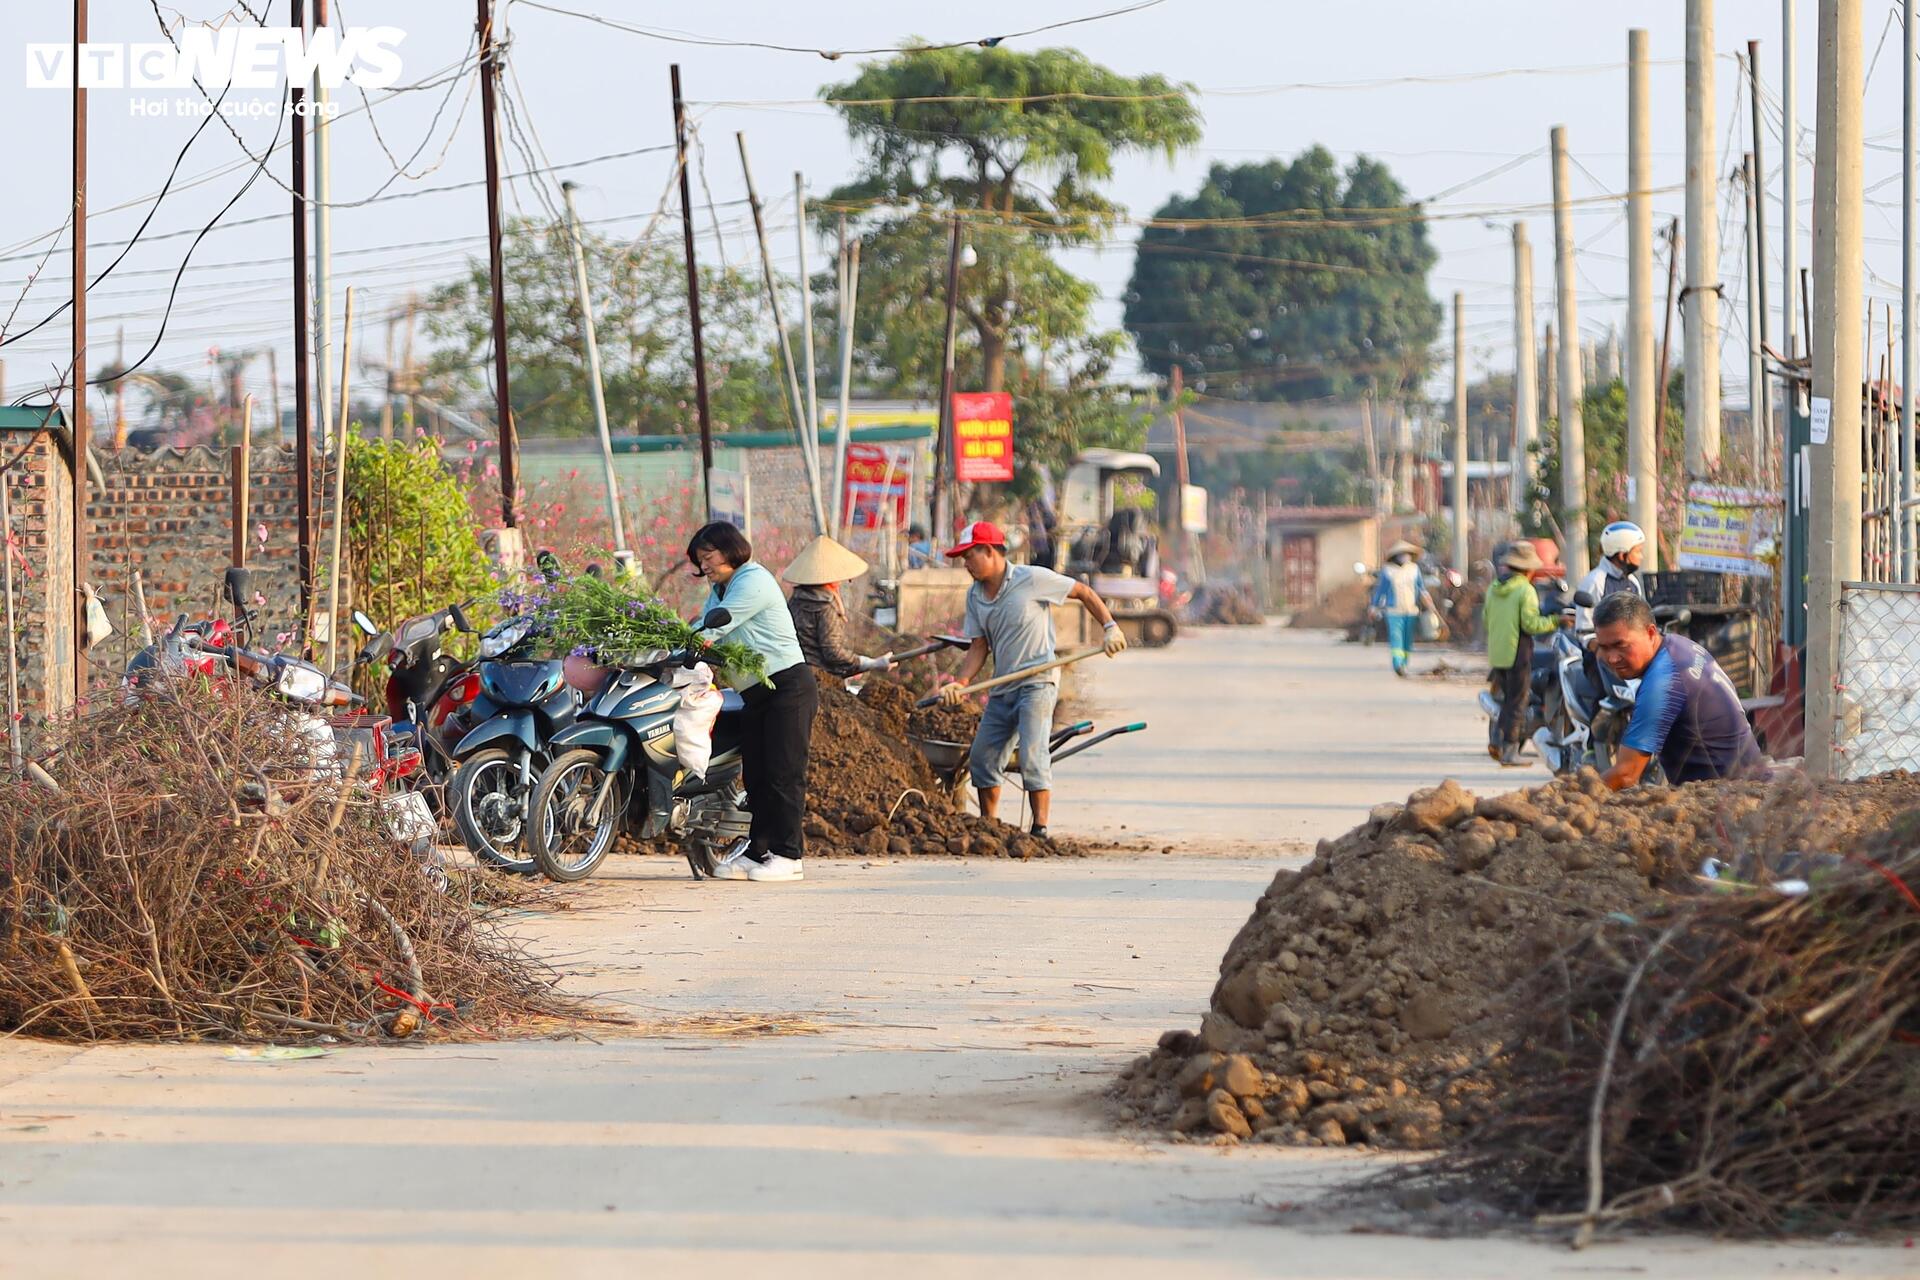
(693, 722)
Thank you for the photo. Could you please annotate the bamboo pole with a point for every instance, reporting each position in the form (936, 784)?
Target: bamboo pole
(339, 492)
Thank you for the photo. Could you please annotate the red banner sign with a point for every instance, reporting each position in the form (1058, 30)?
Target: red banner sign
(878, 481)
(983, 437)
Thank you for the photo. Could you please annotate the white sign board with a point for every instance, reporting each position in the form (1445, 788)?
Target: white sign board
(1822, 419)
(1193, 509)
(733, 499)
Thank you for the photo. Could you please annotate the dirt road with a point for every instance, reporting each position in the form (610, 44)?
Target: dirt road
(1257, 734)
(892, 1069)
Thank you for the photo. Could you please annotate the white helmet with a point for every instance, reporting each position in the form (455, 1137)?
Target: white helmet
(1621, 537)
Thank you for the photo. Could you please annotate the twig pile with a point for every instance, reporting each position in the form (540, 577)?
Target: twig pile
(193, 878)
(1751, 1064)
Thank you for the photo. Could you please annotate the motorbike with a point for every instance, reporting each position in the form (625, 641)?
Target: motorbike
(616, 768)
(523, 703)
(427, 689)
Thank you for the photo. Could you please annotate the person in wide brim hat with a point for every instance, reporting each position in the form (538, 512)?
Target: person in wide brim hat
(1404, 548)
(1399, 595)
(819, 613)
(1523, 556)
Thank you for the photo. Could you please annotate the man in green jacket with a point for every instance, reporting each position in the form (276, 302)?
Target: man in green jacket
(1512, 619)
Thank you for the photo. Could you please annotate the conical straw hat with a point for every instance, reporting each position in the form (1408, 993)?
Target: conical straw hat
(822, 561)
(1402, 546)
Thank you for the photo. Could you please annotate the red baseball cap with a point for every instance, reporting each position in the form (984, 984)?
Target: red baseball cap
(981, 533)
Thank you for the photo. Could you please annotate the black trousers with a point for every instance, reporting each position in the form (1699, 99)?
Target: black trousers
(1515, 688)
(776, 735)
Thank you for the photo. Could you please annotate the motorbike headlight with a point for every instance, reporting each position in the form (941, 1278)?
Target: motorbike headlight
(504, 637)
(302, 684)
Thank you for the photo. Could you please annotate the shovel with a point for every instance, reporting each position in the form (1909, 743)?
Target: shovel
(1012, 676)
(938, 643)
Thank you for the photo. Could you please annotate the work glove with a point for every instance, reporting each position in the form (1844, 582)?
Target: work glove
(882, 663)
(953, 695)
(1114, 643)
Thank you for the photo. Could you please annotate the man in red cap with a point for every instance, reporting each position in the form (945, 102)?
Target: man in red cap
(1010, 616)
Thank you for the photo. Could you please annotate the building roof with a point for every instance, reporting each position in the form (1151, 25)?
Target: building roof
(1321, 515)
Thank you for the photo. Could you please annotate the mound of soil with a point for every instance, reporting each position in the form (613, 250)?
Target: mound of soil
(1362, 1001)
(943, 723)
(1345, 608)
(1228, 606)
(871, 793)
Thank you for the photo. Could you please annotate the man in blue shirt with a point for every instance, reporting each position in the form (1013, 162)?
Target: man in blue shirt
(1687, 712)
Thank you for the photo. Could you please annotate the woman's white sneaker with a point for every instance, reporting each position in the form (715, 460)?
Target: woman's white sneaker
(776, 868)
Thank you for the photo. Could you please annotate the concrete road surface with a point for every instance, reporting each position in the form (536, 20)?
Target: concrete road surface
(894, 1069)
(1258, 734)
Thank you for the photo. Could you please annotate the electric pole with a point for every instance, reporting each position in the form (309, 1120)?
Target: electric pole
(1550, 364)
(302, 352)
(1756, 353)
(1833, 550)
(1573, 433)
(943, 441)
(1643, 493)
(594, 383)
(1526, 408)
(1762, 410)
(323, 255)
(76, 606)
(502, 400)
(1789, 199)
(693, 294)
(1903, 528)
(1702, 292)
(1460, 521)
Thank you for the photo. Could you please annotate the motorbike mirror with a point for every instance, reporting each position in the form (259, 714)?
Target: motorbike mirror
(238, 587)
(1584, 599)
(549, 565)
(715, 618)
(460, 622)
(365, 624)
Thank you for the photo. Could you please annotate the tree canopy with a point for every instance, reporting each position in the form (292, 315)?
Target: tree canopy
(646, 346)
(1302, 281)
(1015, 144)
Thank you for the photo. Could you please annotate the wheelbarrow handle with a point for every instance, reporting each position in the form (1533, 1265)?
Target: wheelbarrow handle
(1065, 732)
(1099, 738)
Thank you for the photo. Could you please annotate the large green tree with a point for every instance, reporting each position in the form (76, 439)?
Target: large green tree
(1287, 282)
(646, 347)
(1016, 145)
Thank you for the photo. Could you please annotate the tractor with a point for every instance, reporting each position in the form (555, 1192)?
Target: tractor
(1104, 536)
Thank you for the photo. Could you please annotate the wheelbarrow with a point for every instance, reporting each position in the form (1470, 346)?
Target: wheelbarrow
(949, 759)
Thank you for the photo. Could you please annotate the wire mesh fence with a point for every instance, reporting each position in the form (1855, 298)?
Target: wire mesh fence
(1879, 679)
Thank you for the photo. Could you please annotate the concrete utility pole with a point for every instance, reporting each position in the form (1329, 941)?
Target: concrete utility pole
(1702, 292)
(1789, 198)
(1756, 355)
(806, 330)
(693, 294)
(1526, 420)
(1460, 518)
(593, 373)
(1833, 550)
(1573, 432)
(1643, 492)
(76, 606)
(497, 273)
(943, 451)
(1550, 362)
(302, 352)
(1903, 528)
(1759, 336)
(843, 428)
(322, 248)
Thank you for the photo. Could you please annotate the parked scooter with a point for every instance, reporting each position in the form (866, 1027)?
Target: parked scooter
(617, 768)
(523, 702)
(427, 688)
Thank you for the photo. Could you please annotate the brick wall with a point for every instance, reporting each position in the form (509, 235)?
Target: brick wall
(166, 514)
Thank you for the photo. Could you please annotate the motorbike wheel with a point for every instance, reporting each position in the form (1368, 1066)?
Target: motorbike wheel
(489, 809)
(564, 845)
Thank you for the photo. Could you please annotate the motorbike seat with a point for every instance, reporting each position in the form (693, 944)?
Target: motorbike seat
(730, 700)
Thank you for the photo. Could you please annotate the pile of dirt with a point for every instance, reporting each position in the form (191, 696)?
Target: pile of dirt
(1363, 1000)
(1227, 606)
(1344, 609)
(870, 792)
(943, 723)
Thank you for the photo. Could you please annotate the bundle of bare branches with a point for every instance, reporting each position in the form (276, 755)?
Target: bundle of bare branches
(1747, 1062)
(180, 870)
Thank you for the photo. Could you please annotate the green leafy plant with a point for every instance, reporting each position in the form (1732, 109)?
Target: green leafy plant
(589, 616)
(411, 545)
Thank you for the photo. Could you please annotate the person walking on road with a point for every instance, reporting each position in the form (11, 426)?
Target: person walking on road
(1511, 619)
(1400, 595)
(777, 724)
(1010, 617)
(817, 574)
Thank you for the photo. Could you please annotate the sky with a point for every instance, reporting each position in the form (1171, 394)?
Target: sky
(1457, 98)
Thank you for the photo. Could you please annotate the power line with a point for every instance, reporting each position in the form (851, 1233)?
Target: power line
(674, 36)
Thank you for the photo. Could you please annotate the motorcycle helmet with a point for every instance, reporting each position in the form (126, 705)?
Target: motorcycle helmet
(1621, 537)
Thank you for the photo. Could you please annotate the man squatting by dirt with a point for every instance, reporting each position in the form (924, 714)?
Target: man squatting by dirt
(1010, 616)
